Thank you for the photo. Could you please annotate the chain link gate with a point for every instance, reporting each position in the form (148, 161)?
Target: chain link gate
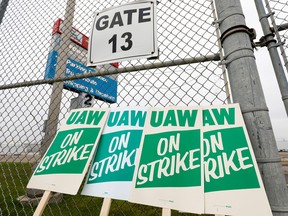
(186, 73)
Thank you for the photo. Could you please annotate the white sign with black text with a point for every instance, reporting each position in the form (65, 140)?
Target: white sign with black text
(123, 33)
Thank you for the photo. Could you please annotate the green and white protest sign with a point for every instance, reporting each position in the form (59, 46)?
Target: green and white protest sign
(112, 168)
(169, 170)
(66, 161)
(233, 184)
(199, 160)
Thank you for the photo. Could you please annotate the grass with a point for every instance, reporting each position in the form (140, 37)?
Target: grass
(15, 177)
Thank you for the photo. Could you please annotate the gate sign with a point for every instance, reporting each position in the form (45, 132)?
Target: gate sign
(123, 33)
(66, 161)
(112, 168)
(102, 87)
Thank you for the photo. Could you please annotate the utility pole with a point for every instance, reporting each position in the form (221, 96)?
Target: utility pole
(3, 7)
(247, 91)
(55, 102)
(56, 95)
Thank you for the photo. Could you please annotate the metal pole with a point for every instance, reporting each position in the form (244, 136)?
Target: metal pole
(247, 91)
(224, 72)
(54, 108)
(3, 7)
(272, 48)
(56, 95)
(282, 27)
(104, 72)
(276, 30)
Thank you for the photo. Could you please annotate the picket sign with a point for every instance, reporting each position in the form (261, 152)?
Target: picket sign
(164, 143)
(105, 207)
(69, 155)
(119, 141)
(165, 134)
(42, 204)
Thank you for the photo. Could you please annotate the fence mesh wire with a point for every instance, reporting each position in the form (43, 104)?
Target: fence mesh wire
(184, 31)
(279, 21)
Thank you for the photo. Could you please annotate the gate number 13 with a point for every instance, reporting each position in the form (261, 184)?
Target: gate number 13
(127, 36)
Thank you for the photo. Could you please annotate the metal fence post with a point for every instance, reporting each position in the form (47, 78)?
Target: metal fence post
(56, 95)
(55, 101)
(247, 90)
(276, 30)
(270, 42)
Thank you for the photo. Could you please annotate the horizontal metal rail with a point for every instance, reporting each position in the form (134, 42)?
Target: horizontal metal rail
(102, 72)
(280, 27)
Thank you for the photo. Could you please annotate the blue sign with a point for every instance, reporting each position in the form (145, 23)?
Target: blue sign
(103, 88)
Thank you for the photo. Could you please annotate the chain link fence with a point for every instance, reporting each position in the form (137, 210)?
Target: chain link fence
(185, 34)
(278, 10)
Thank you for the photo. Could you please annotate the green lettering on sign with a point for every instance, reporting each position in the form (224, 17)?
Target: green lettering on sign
(69, 152)
(85, 117)
(180, 118)
(222, 115)
(170, 159)
(228, 163)
(115, 157)
(127, 118)
(219, 116)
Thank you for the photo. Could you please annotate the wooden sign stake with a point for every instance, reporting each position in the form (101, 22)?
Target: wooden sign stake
(166, 212)
(105, 207)
(42, 204)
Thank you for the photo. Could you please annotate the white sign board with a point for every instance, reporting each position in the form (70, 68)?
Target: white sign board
(66, 161)
(198, 160)
(112, 168)
(233, 184)
(169, 173)
(123, 33)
